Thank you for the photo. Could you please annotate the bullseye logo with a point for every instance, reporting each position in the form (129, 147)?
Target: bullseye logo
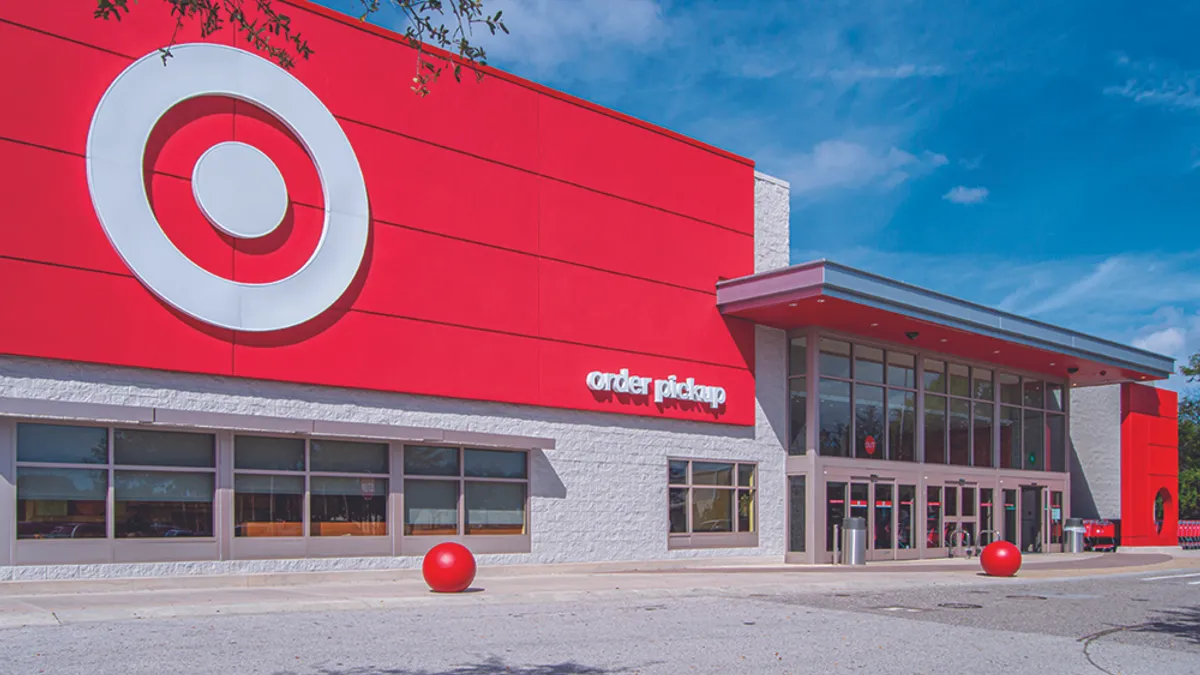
(237, 187)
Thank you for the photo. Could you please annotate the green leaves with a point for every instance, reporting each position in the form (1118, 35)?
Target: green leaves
(439, 30)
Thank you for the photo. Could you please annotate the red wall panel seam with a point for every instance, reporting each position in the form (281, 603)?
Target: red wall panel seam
(378, 31)
(539, 338)
(77, 268)
(65, 39)
(539, 174)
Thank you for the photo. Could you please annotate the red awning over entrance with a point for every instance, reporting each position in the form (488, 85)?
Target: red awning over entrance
(840, 298)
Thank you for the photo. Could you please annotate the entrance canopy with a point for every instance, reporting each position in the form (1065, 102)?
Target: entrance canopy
(833, 296)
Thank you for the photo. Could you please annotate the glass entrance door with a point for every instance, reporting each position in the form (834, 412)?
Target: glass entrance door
(882, 527)
(908, 523)
(960, 526)
(1033, 519)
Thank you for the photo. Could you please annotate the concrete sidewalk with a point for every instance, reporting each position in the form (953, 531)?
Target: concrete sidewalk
(64, 602)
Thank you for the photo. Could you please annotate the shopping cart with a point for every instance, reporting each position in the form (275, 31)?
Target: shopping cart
(1099, 535)
(1189, 534)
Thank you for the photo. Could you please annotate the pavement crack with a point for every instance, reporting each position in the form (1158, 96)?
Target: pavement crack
(1087, 641)
(55, 615)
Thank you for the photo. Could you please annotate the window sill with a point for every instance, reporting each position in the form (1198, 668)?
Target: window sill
(712, 540)
(479, 544)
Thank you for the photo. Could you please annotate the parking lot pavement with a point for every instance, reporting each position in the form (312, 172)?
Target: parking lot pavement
(1130, 624)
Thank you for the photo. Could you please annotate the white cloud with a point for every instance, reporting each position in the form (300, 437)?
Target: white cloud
(971, 164)
(1170, 341)
(966, 195)
(898, 72)
(1157, 83)
(546, 34)
(844, 164)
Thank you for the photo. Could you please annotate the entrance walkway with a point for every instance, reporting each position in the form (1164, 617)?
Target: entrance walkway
(62, 602)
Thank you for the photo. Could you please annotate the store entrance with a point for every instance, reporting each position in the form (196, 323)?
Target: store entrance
(889, 508)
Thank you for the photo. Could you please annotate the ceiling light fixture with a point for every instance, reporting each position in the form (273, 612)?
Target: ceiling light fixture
(791, 304)
(820, 299)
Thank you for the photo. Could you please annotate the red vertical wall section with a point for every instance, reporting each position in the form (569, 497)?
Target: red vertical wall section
(520, 238)
(1149, 464)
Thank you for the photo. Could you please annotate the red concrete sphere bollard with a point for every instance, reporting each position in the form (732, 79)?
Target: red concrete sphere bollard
(1000, 559)
(448, 568)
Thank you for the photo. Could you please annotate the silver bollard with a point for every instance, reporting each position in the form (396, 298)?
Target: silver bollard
(854, 541)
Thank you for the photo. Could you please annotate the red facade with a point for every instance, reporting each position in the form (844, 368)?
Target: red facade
(1149, 465)
(520, 238)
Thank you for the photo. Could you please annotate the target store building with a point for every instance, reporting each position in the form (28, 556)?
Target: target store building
(259, 319)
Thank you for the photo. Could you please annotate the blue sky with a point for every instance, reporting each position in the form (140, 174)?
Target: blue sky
(1040, 157)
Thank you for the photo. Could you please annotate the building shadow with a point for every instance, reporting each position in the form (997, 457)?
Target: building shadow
(491, 666)
(1182, 623)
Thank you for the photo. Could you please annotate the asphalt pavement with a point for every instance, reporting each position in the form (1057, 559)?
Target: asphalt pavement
(708, 621)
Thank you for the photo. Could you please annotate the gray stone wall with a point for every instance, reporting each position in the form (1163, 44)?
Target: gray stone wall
(1096, 452)
(772, 211)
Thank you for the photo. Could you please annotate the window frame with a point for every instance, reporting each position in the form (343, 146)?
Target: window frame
(483, 543)
(814, 375)
(701, 540)
(111, 467)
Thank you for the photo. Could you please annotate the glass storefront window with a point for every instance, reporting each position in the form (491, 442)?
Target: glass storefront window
(430, 507)
(62, 444)
(960, 380)
(1010, 389)
(960, 432)
(163, 504)
(677, 472)
(495, 508)
(798, 517)
(835, 358)
(268, 505)
(950, 506)
(342, 506)
(798, 415)
(902, 425)
(868, 422)
(868, 364)
(1056, 436)
(981, 385)
(934, 376)
(982, 436)
(348, 456)
(1033, 397)
(1054, 397)
(722, 498)
(268, 454)
(835, 510)
(905, 519)
(901, 371)
(1035, 441)
(798, 356)
(935, 429)
(489, 487)
(137, 447)
(933, 517)
(1010, 437)
(57, 503)
(834, 418)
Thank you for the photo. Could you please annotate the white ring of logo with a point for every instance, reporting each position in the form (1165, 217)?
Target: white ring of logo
(121, 128)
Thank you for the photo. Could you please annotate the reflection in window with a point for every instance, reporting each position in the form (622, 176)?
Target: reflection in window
(834, 418)
(343, 506)
(62, 444)
(798, 356)
(1054, 397)
(798, 416)
(868, 421)
(263, 453)
(1010, 438)
(901, 370)
(868, 364)
(960, 381)
(835, 510)
(935, 429)
(960, 432)
(495, 508)
(163, 504)
(1034, 398)
(902, 425)
(677, 472)
(798, 518)
(430, 507)
(348, 456)
(934, 376)
(268, 505)
(58, 503)
(1056, 437)
(1010, 389)
(933, 517)
(834, 358)
(982, 438)
(981, 384)
(138, 447)
(712, 510)
(721, 498)
(1035, 441)
(493, 485)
